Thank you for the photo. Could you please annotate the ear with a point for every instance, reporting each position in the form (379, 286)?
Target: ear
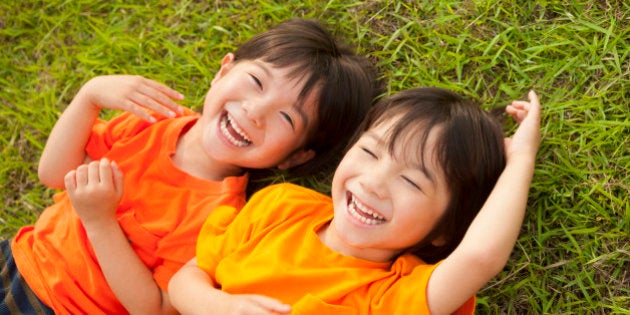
(226, 64)
(296, 158)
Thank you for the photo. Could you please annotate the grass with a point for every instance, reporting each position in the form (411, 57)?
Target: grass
(573, 255)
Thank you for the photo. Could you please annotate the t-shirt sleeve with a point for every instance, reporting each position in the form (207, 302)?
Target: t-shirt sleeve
(409, 293)
(218, 238)
(105, 133)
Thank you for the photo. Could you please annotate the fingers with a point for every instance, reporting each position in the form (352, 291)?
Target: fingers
(94, 172)
(534, 110)
(519, 110)
(165, 90)
(135, 94)
(82, 177)
(271, 304)
(102, 172)
(158, 97)
(526, 139)
(70, 180)
(118, 178)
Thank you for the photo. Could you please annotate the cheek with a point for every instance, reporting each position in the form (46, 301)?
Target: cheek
(419, 218)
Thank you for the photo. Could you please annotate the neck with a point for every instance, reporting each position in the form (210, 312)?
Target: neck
(190, 157)
(330, 237)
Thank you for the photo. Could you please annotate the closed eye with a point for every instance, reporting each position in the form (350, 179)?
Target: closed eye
(256, 80)
(288, 118)
(366, 150)
(412, 183)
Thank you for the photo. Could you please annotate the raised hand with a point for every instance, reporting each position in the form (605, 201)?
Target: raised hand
(95, 190)
(134, 94)
(526, 139)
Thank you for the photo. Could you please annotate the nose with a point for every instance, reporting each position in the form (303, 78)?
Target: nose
(255, 112)
(375, 182)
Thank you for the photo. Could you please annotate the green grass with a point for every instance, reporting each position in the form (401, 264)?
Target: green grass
(573, 256)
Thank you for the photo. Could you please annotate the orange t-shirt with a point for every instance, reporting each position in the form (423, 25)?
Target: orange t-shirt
(272, 248)
(161, 212)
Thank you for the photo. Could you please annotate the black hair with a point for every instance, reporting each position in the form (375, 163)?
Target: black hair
(345, 84)
(469, 150)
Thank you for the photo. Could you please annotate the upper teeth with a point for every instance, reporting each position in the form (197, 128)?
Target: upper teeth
(356, 206)
(224, 128)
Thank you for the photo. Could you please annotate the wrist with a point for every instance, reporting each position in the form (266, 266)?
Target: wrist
(86, 98)
(523, 158)
(97, 228)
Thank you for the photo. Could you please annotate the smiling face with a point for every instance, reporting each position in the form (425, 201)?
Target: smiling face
(253, 117)
(385, 201)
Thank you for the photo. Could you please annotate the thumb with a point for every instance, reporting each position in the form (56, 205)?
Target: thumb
(119, 179)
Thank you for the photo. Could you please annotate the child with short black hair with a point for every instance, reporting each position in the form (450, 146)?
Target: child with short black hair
(426, 207)
(288, 98)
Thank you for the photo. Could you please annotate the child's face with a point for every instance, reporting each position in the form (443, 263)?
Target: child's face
(252, 119)
(385, 204)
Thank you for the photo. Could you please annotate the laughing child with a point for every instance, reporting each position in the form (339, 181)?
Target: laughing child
(426, 207)
(285, 99)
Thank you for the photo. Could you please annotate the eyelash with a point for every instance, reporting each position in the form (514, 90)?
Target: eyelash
(288, 118)
(412, 183)
(369, 152)
(256, 80)
(406, 179)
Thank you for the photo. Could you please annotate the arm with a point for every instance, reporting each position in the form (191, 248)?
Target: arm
(65, 148)
(489, 240)
(192, 291)
(95, 190)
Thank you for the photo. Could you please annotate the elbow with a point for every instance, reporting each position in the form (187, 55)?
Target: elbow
(48, 179)
(489, 262)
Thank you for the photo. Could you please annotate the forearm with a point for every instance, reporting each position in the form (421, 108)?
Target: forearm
(488, 242)
(65, 147)
(192, 291)
(494, 231)
(130, 280)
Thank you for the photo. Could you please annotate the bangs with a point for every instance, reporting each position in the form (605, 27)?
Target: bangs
(407, 138)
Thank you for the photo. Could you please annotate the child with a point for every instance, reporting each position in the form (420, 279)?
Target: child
(424, 166)
(287, 98)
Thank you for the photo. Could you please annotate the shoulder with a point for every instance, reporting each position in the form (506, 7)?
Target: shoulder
(286, 200)
(289, 191)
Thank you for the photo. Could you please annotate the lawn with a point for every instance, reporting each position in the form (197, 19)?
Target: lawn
(573, 255)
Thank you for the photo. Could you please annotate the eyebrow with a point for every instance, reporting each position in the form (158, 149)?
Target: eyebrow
(297, 106)
(419, 166)
(263, 67)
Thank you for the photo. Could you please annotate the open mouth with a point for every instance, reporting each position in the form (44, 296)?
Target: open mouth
(233, 132)
(362, 212)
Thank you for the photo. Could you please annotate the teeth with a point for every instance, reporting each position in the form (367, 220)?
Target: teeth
(363, 214)
(227, 120)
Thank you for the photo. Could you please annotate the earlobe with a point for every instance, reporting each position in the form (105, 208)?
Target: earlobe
(296, 158)
(226, 64)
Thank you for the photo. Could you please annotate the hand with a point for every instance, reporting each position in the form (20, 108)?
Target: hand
(134, 94)
(95, 190)
(526, 139)
(253, 304)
